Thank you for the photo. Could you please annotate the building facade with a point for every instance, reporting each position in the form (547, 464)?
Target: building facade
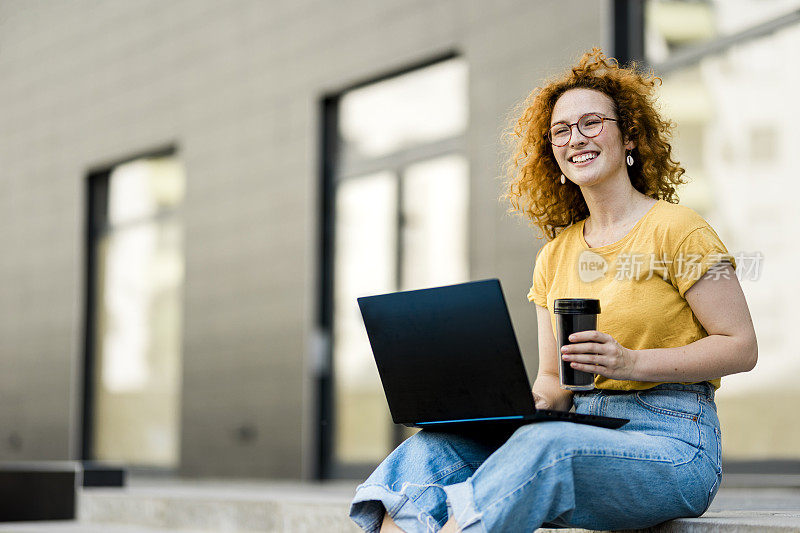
(192, 193)
(230, 97)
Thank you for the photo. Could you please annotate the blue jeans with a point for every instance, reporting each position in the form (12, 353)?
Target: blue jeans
(664, 464)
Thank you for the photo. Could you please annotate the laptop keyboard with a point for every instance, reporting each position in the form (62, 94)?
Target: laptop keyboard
(569, 414)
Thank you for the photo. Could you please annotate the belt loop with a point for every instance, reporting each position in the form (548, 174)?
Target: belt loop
(710, 389)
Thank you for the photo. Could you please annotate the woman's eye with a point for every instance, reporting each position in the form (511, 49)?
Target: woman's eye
(562, 130)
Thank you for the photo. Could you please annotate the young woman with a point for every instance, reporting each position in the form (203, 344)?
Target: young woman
(593, 169)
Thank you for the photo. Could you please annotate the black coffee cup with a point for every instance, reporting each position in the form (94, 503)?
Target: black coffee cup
(572, 315)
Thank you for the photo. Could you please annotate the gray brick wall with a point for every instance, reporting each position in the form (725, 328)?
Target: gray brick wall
(235, 85)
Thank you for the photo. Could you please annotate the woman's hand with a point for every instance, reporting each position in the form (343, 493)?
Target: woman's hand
(598, 352)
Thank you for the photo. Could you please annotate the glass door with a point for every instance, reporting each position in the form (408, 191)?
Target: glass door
(134, 360)
(400, 200)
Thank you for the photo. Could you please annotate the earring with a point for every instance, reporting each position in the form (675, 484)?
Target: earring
(629, 160)
(563, 179)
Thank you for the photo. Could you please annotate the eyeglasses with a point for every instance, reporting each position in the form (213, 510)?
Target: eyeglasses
(590, 125)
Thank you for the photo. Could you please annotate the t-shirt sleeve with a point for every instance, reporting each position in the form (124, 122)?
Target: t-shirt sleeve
(538, 291)
(698, 252)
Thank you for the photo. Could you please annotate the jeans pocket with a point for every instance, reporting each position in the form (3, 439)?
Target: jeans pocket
(681, 404)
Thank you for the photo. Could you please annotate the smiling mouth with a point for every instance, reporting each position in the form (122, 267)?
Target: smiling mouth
(582, 158)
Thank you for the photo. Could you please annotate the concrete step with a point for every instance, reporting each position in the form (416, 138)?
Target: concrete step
(223, 507)
(63, 526)
(171, 506)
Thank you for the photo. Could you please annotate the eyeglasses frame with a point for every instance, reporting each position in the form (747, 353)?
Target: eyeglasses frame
(602, 125)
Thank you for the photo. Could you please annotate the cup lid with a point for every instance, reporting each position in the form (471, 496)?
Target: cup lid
(577, 306)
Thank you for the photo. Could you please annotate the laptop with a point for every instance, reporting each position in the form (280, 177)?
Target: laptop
(448, 359)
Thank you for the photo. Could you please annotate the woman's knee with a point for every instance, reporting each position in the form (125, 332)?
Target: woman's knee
(422, 445)
(431, 457)
(540, 444)
(543, 436)
(457, 447)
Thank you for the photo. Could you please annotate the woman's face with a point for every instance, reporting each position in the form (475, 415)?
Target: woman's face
(604, 154)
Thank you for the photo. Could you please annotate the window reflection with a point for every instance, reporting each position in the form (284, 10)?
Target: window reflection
(735, 113)
(435, 223)
(366, 254)
(420, 107)
(399, 224)
(140, 272)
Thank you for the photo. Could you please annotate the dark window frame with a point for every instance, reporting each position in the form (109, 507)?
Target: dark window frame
(96, 198)
(628, 31)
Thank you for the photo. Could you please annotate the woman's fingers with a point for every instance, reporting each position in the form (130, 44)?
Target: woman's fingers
(594, 369)
(596, 352)
(583, 347)
(586, 359)
(590, 335)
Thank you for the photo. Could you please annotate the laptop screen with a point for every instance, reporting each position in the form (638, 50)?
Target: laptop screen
(447, 353)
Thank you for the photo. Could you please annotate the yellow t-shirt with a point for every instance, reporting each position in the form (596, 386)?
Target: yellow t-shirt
(640, 280)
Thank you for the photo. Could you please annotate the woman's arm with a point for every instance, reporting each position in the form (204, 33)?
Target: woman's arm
(730, 346)
(547, 391)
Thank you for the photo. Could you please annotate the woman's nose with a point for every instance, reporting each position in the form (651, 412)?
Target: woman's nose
(576, 137)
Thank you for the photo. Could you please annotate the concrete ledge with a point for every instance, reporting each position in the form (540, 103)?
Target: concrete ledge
(718, 522)
(161, 506)
(238, 511)
(736, 521)
(79, 527)
(219, 515)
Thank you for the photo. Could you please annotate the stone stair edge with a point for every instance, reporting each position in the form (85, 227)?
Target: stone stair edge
(266, 513)
(73, 526)
(138, 493)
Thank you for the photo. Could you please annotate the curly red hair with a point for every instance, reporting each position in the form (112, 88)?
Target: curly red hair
(532, 184)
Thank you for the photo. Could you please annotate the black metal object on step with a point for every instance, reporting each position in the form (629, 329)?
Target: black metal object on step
(38, 491)
(98, 475)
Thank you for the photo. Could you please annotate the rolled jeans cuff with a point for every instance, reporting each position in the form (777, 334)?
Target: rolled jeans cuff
(461, 507)
(367, 509)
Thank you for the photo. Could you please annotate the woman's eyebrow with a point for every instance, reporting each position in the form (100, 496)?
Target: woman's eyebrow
(604, 115)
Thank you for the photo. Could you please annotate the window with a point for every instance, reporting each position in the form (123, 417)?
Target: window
(134, 324)
(399, 221)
